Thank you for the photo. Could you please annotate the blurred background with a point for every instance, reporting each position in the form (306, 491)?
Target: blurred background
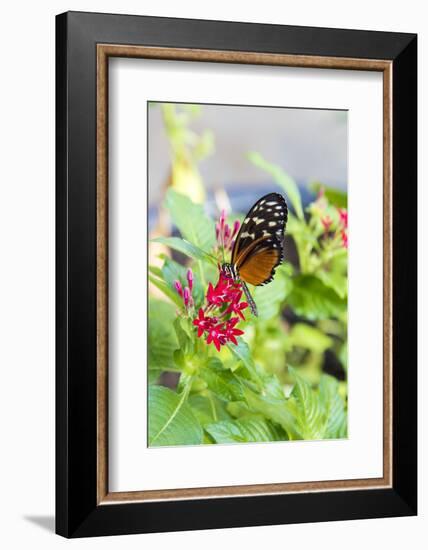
(310, 144)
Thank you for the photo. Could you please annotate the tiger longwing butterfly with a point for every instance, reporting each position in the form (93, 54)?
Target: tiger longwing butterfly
(258, 247)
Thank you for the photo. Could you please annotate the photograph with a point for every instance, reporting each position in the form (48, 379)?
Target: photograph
(248, 274)
(213, 324)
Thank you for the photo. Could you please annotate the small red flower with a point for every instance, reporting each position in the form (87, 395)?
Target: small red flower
(216, 335)
(230, 331)
(203, 323)
(236, 306)
(225, 299)
(216, 295)
(224, 291)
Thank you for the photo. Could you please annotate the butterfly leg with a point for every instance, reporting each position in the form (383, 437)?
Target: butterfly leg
(250, 300)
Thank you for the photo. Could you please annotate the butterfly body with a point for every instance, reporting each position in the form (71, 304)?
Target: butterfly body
(258, 247)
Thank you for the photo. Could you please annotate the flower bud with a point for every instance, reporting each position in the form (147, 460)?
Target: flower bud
(236, 227)
(226, 232)
(222, 219)
(178, 288)
(186, 296)
(190, 278)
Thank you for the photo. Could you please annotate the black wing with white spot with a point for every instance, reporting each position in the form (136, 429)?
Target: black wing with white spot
(258, 247)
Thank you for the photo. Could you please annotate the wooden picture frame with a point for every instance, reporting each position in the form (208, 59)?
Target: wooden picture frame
(84, 504)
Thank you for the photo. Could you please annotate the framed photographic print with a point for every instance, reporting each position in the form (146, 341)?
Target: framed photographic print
(236, 274)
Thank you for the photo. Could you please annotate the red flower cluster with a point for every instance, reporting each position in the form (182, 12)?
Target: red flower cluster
(225, 235)
(225, 297)
(219, 333)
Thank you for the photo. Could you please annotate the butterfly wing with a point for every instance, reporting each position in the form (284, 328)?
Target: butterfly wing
(259, 244)
(259, 268)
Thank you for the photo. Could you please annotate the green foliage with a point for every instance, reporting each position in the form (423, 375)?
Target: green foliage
(194, 225)
(320, 413)
(246, 430)
(309, 337)
(275, 408)
(161, 285)
(208, 408)
(334, 196)
(162, 341)
(312, 299)
(269, 298)
(308, 412)
(187, 148)
(220, 381)
(248, 392)
(333, 407)
(171, 420)
(183, 246)
(283, 179)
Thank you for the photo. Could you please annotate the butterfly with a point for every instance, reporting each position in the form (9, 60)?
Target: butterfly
(258, 247)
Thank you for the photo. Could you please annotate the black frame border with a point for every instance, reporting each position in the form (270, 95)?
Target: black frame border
(77, 512)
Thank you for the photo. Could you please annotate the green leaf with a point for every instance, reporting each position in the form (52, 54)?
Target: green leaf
(334, 196)
(208, 409)
(305, 240)
(305, 336)
(243, 354)
(245, 430)
(185, 336)
(282, 179)
(312, 299)
(269, 298)
(336, 274)
(333, 407)
(337, 281)
(171, 420)
(309, 413)
(157, 271)
(187, 248)
(167, 290)
(275, 409)
(194, 225)
(161, 337)
(222, 382)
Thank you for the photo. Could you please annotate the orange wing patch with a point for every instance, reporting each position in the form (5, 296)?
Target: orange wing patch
(259, 267)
